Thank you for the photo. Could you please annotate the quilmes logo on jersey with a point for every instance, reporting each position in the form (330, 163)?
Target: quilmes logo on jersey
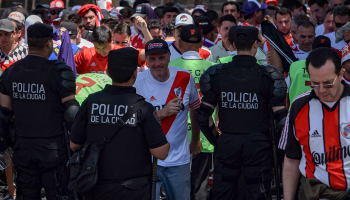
(178, 92)
(345, 130)
(315, 134)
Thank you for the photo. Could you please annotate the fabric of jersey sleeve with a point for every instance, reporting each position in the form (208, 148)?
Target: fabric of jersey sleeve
(195, 100)
(283, 140)
(153, 130)
(293, 148)
(78, 133)
(79, 61)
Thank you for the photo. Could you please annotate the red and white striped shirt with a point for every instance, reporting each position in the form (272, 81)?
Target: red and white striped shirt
(319, 136)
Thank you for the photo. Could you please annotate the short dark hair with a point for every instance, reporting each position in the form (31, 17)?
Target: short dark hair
(40, 12)
(159, 11)
(318, 57)
(297, 19)
(92, 11)
(101, 35)
(330, 10)
(126, 12)
(169, 9)
(76, 19)
(306, 24)
(37, 43)
(283, 11)
(111, 22)
(292, 4)
(228, 17)
(18, 26)
(212, 15)
(318, 2)
(244, 45)
(64, 18)
(230, 3)
(154, 24)
(346, 2)
(122, 29)
(341, 11)
(121, 74)
(170, 27)
(270, 11)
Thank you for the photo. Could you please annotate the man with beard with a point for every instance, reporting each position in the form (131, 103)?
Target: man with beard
(92, 16)
(305, 35)
(327, 26)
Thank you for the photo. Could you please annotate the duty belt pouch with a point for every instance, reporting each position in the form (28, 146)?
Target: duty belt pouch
(84, 161)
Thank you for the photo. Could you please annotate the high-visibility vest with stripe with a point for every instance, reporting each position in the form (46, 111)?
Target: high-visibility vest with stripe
(196, 67)
(228, 59)
(300, 80)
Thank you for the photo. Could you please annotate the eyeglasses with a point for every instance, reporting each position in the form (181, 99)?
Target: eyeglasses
(52, 12)
(338, 25)
(325, 86)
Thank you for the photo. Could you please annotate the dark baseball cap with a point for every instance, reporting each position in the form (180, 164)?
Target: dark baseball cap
(156, 46)
(205, 25)
(6, 25)
(39, 30)
(246, 33)
(231, 33)
(250, 6)
(321, 41)
(140, 10)
(191, 31)
(71, 28)
(123, 57)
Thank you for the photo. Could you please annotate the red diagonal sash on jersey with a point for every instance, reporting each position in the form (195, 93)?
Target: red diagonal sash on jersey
(181, 80)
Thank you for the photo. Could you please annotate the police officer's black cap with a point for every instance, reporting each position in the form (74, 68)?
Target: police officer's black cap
(246, 33)
(231, 33)
(124, 57)
(39, 30)
(71, 28)
(191, 31)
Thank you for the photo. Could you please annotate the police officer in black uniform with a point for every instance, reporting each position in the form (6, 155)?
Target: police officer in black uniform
(243, 91)
(41, 95)
(124, 168)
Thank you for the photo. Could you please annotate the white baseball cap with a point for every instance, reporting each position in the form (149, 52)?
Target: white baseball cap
(183, 19)
(17, 16)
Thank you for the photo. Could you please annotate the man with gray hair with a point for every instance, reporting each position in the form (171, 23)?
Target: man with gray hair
(297, 19)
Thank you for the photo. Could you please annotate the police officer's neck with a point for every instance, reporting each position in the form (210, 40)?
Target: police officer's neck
(39, 53)
(126, 84)
(246, 53)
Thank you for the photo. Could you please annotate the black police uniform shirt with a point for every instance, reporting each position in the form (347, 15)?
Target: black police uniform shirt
(248, 109)
(127, 155)
(36, 93)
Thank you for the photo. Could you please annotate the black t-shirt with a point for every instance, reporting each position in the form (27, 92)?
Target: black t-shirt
(243, 120)
(34, 85)
(127, 155)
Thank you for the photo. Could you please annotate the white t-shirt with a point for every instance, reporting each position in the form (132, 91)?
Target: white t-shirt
(347, 81)
(133, 32)
(319, 30)
(300, 54)
(338, 46)
(85, 44)
(180, 84)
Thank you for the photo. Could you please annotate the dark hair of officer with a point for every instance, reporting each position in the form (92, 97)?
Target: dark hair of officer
(40, 39)
(101, 35)
(318, 57)
(245, 37)
(122, 64)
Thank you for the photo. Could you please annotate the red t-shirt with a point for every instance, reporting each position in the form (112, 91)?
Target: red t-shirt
(138, 42)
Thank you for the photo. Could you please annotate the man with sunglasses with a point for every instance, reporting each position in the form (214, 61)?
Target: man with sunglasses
(318, 128)
(56, 7)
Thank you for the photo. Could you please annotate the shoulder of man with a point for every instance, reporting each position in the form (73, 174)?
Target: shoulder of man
(280, 84)
(66, 74)
(205, 80)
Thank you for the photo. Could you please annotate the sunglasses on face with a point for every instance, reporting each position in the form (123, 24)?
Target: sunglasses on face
(325, 85)
(338, 25)
(54, 12)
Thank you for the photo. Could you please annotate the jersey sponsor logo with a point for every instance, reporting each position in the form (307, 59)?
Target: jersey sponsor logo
(152, 98)
(155, 45)
(178, 92)
(334, 154)
(109, 114)
(315, 134)
(93, 64)
(28, 91)
(345, 130)
(240, 100)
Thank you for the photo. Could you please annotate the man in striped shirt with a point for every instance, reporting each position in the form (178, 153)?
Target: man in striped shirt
(318, 128)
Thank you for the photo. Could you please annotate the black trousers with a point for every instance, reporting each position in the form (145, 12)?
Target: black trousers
(250, 154)
(40, 163)
(201, 165)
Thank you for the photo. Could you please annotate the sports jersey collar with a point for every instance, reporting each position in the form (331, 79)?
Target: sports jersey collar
(173, 44)
(191, 55)
(345, 93)
(119, 89)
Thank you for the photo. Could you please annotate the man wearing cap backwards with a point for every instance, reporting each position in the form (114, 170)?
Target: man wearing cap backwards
(252, 12)
(190, 43)
(243, 92)
(210, 38)
(127, 157)
(180, 21)
(172, 91)
(40, 93)
(56, 7)
(10, 51)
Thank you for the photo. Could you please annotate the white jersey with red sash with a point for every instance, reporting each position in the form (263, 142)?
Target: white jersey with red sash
(179, 85)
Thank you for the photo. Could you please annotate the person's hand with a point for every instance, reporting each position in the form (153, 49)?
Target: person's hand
(313, 19)
(346, 36)
(269, 18)
(171, 108)
(268, 58)
(195, 148)
(140, 23)
(61, 32)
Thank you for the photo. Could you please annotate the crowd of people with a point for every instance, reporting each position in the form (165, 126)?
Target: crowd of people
(220, 90)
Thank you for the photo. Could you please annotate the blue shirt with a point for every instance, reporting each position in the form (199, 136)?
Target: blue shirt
(54, 57)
